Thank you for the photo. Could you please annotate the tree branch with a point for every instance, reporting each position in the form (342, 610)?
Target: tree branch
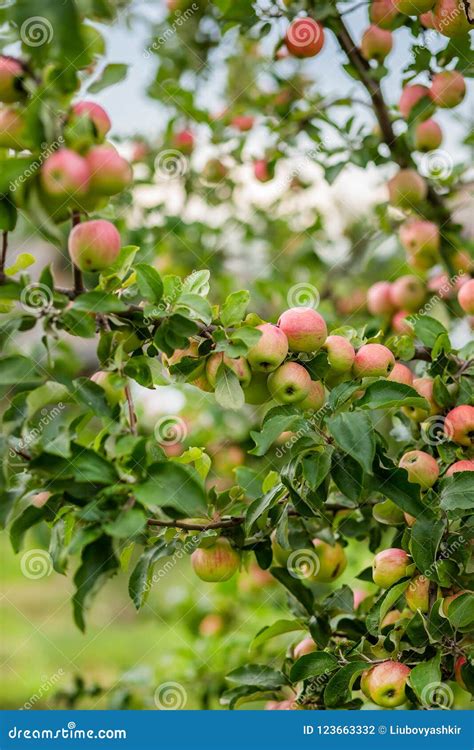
(3, 257)
(78, 281)
(131, 410)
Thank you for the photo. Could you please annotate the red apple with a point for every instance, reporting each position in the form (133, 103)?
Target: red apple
(270, 351)
(306, 646)
(448, 89)
(459, 425)
(184, 141)
(428, 136)
(216, 563)
(304, 37)
(466, 297)
(460, 661)
(376, 43)
(304, 328)
(373, 360)
(465, 465)
(290, 383)
(386, 683)
(110, 173)
(94, 245)
(96, 114)
(389, 566)
(401, 374)
(400, 323)
(261, 170)
(243, 122)
(427, 20)
(379, 298)
(11, 75)
(411, 95)
(65, 174)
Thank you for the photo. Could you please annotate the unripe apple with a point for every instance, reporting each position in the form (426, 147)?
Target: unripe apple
(257, 392)
(13, 132)
(465, 465)
(383, 13)
(40, 499)
(421, 240)
(379, 298)
(410, 520)
(448, 89)
(401, 325)
(270, 351)
(428, 136)
(466, 297)
(389, 566)
(304, 37)
(407, 188)
(214, 171)
(410, 97)
(239, 366)
(316, 397)
(413, 7)
(110, 172)
(460, 661)
(408, 292)
(184, 141)
(417, 594)
(290, 383)
(243, 123)
(421, 467)
(373, 360)
(450, 18)
(65, 174)
(96, 114)
(306, 646)
(261, 170)
(401, 374)
(304, 328)
(376, 43)
(216, 563)
(113, 393)
(341, 353)
(386, 683)
(94, 245)
(388, 513)
(11, 75)
(332, 561)
(459, 425)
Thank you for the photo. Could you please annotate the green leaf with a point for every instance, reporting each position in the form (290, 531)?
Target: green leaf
(174, 486)
(457, 492)
(338, 689)
(149, 282)
(127, 524)
(461, 611)
(78, 323)
(277, 421)
(423, 674)
(234, 308)
(197, 306)
(427, 329)
(98, 564)
(18, 369)
(383, 605)
(49, 393)
(426, 535)
(385, 394)
(112, 73)
(91, 396)
(258, 675)
(316, 466)
(313, 665)
(140, 581)
(295, 587)
(84, 466)
(8, 219)
(394, 484)
(22, 523)
(354, 434)
(258, 507)
(99, 302)
(229, 393)
(278, 628)
(24, 261)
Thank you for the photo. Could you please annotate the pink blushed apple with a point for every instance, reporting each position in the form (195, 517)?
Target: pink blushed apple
(422, 468)
(466, 297)
(428, 136)
(389, 566)
(65, 174)
(11, 74)
(110, 172)
(401, 374)
(94, 245)
(407, 189)
(341, 353)
(217, 562)
(96, 114)
(290, 383)
(304, 328)
(304, 37)
(376, 43)
(411, 96)
(448, 89)
(270, 351)
(386, 683)
(379, 298)
(373, 360)
(459, 425)
(464, 465)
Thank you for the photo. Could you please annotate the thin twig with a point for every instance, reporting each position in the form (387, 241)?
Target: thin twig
(3, 258)
(131, 410)
(78, 281)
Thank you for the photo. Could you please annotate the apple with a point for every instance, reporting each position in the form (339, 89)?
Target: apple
(306, 646)
(400, 323)
(427, 20)
(413, 7)
(407, 188)
(460, 661)
(110, 172)
(408, 292)
(447, 601)
(428, 136)
(376, 43)
(94, 245)
(332, 561)
(388, 513)
(422, 468)
(465, 465)
(466, 297)
(214, 171)
(316, 397)
(410, 97)
(290, 383)
(13, 131)
(459, 425)
(389, 566)
(270, 350)
(417, 594)
(211, 625)
(448, 89)
(358, 595)
(65, 174)
(239, 366)
(424, 386)
(113, 393)
(217, 562)
(450, 18)
(386, 683)
(183, 140)
(304, 37)
(401, 374)
(364, 683)
(391, 618)
(96, 114)
(40, 499)
(304, 328)
(262, 171)
(379, 298)
(373, 360)
(421, 240)
(341, 353)
(11, 76)
(257, 392)
(244, 123)
(410, 520)
(383, 13)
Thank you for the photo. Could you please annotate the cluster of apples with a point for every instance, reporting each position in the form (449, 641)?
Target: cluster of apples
(80, 175)
(445, 16)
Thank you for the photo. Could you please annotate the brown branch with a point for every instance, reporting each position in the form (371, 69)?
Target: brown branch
(225, 524)
(3, 258)
(131, 410)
